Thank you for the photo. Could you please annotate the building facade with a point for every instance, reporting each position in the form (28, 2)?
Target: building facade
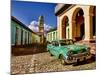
(76, 22)
(21, 34)
(35, 38)
(52, 35)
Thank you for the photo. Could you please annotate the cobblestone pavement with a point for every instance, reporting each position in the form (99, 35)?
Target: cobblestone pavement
(20, 64)
(43, 62)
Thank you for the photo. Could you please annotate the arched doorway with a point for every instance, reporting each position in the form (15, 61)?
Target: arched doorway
(64, 24)
(78, 29)
(92, 12)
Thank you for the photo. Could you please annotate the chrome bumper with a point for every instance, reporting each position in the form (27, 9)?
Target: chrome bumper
(78, 57)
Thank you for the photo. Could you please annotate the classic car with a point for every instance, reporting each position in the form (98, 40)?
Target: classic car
(68, 52)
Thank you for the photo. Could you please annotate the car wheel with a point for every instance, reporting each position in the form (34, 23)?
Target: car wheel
(50, 53)
(62, 60)
(76, 63)
(84, 59)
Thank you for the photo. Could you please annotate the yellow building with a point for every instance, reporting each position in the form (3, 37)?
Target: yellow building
(35, 38)
(76, 22)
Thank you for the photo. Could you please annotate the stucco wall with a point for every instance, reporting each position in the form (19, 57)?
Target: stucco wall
(35, 38)
(25, 37)
(70, 14)
(52, 36)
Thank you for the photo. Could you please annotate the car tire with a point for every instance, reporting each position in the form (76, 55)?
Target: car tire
(84, 59)
(76, 63)
(62, 60)
(50, 53)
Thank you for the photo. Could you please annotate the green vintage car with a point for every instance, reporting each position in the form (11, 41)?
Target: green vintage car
(69, 52)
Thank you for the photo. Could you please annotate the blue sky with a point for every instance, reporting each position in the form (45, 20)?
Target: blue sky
(28, 12)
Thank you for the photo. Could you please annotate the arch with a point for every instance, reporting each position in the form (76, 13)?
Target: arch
(75, 12)
(64, 24)
(78, 29)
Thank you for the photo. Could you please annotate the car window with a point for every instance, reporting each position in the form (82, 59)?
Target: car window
(53, 43)
(63, 43)
(71, 42)
(66, 42)
(56, 44)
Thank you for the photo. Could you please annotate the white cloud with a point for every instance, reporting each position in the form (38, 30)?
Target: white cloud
(47, 27)
(34, 26)
(35, 23)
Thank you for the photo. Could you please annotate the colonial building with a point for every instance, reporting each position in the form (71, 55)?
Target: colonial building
(52, 35)
(76, 22)
(21, 34)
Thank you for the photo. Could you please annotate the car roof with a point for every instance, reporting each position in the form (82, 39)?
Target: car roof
(63, 40)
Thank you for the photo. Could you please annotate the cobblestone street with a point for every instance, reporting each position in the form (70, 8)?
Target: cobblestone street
(46, 36)
(43, 62)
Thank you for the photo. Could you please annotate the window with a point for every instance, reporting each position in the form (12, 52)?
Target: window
(21, 36)
(16, 36)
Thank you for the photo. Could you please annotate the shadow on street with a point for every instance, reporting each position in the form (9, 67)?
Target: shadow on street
(28, 50)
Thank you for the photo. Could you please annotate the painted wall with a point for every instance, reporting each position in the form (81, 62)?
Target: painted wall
(35, 38)
(23, 35)
(70, 13)
(52, 36)
(13, 32)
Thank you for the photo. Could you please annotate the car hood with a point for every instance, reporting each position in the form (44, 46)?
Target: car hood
(76, 47)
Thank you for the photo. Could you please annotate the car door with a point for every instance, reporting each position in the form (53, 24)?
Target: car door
(56, 49)
(52, 48)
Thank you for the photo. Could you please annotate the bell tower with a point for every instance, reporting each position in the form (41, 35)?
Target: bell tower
(41, 24)
(41, 28)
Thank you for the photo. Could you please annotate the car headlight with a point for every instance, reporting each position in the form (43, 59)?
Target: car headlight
(66, 57)
(74, 58)
(70, 53)
(88, 48)
(70, 58)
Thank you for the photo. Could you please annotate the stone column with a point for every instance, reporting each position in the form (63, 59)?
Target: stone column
(88, 27)
(58, 27)
(72, 28)
(55, 35)
(50, 37)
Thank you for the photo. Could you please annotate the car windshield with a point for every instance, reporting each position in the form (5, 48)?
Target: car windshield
(65, 42)
(55, 43)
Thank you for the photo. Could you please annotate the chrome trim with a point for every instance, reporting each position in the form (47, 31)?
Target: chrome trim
(80, 56)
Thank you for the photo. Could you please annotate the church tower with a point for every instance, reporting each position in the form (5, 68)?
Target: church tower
(41, 24)
(41, 28)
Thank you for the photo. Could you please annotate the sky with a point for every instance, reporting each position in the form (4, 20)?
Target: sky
(28, 13)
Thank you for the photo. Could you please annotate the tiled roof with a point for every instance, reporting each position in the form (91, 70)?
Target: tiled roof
(61, 7)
